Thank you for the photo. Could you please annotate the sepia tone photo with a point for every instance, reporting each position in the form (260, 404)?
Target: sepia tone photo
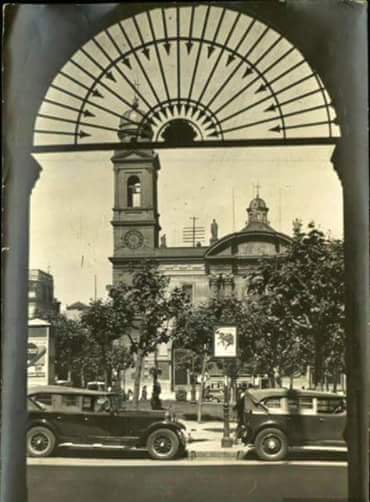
(185, 252)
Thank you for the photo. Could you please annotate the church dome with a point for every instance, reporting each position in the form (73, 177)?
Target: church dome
(257, 215)
(131, 126)
(257, 203)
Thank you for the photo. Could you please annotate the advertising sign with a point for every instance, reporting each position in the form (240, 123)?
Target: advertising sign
(40, 353)
(225, 342)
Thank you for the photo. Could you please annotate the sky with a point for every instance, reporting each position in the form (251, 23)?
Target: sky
(71, 204)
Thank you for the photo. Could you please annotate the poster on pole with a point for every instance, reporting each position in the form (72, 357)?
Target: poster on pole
(225, 342)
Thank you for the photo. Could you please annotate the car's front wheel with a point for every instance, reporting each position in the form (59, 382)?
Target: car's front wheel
(40, 442)
(163, 444)
(271, 444)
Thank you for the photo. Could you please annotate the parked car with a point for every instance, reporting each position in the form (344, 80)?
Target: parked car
(215, 394)
(79, 418)
(282, 418)
(96, 386)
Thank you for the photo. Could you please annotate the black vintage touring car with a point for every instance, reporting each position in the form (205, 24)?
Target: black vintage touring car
(277, 419)
(79, 418)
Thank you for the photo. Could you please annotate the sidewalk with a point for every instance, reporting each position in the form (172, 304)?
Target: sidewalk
(206, 438)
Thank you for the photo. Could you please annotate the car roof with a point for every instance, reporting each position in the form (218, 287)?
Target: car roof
(260, 394)
(60, 389)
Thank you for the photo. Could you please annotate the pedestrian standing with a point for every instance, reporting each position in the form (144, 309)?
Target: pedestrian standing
(155, 401)
(243, 407)
(144, 393)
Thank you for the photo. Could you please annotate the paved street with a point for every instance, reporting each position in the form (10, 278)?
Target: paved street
(212, 473)
(139, 480)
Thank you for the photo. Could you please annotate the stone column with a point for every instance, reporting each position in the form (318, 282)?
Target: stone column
(22, 172)
(228, 285)
(213, 285)
(350, 161)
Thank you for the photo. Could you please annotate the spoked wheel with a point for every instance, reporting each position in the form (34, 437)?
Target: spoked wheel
(40, 442)
(271, 444)
(163, 444)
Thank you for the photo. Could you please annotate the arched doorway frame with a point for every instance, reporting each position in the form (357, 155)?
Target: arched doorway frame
(350, 160)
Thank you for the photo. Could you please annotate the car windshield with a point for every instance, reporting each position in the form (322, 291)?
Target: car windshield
(103, 403)
(41, 401)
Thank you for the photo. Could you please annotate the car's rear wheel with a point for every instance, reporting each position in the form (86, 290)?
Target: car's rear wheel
(163, 444)
(271, 444)
(40, 442)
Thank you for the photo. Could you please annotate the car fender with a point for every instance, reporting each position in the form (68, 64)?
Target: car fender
(267, 425)
(43, 422)
(176, 427)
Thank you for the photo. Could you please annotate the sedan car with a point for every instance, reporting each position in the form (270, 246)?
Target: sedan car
(276, 419)
(79, 418)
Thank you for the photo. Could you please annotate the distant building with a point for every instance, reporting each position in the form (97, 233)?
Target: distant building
(75, 310)
(216, 270)
(41, 301)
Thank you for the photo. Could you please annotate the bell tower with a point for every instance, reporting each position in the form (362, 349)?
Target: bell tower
(135, 211)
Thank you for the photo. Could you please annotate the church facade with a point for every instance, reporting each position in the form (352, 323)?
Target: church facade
(218, 269)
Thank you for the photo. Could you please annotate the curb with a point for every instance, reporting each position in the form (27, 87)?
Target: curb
(236, 454)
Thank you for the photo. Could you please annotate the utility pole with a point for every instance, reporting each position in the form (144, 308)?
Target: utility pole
(193, 234)
(233, 206)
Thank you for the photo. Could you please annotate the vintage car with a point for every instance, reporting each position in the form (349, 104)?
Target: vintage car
(277, 419)
(79, 418)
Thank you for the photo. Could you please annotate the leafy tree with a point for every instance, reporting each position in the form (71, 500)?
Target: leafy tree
(120, 359)
(302, 298)
(150, 310)
(105, 323)
(195, 330)
(69, 344)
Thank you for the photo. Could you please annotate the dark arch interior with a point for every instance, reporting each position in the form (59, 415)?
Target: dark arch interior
(179, 131)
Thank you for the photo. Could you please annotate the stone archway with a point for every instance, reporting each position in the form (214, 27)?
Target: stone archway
(327, 32)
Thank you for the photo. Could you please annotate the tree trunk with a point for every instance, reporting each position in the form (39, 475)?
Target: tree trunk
(193, 391)
(318, 377)
(272, 380)
(291, 382)
(82, 376)
(326, 380)
(201, 390)
(335, 381)
(104, 361)
(193, 381)
(138, 368)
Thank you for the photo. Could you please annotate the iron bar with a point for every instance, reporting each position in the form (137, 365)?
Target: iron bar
(227, 80)
(131, 84)
(271, 119)
(198, 53)
(251, 82)
(158, 56)
(290, 86)
(161, 145)
(86, 101)
(189, 44)
(138, 59)
(223, 48)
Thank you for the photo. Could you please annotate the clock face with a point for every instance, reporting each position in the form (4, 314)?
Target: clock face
(134, 239)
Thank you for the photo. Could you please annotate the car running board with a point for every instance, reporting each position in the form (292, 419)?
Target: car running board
(342, 449)
(97, 446)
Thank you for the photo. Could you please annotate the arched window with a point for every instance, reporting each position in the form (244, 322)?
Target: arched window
(133, 192)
